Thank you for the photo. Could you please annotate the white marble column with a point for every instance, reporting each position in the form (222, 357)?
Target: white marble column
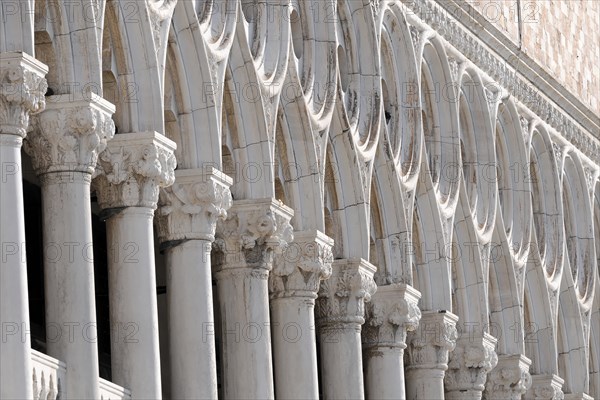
(293, 286)
(510, 379)
(340, 315)
(64, 145)
(473, 357)
(392, 312)
(545, 387)
(22, 90)
(245, 246)
(427, 355)
(132, 170)
(187, 218)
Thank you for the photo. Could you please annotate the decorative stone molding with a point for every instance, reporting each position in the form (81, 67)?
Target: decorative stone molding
(70, 133)
(525, 124)
(22, 91)
(190, 208)
(299, 270)
(415, 35)
(392, 312)
(469, 365)
(252, 233)
(510, 379)
(342, 297)
(132, 170)
(545, 387)
(505, 73)
(429, 345)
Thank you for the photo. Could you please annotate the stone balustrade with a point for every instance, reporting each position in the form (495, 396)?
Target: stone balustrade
(50, 376)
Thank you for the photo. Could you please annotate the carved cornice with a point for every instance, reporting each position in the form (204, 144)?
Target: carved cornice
(510, 379)
(132, 170)
(430, 343)
(300, 268)
(392, 312)
(22, 91)
(189, 209)
(342, 297)
(505, 73)
(70, 133)
(469, 365)
(545, 387)
(254, 231)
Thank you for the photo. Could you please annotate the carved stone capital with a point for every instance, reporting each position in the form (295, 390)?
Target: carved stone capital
(70, 133)
(22, 91)
(254, 231)
(132, 170)
(300, 268)
(510, 379)
(189, 209)
(469, 365)
(545, 387)
(342, 297)
(430, 343)
(392, 312)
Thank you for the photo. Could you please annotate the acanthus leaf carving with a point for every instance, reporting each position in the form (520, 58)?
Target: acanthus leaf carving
(300, 268)
(190, 208)
(342, 297)
(254, 232)
(510, 379)
(546, 387)
(430, 344)
(70, 134)
(22, 91)
(470, 363)
(392, 312)
(132, 170)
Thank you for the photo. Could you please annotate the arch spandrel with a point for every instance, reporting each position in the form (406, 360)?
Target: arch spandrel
(67, 37)
(138, 36)
(539, 316)
(17, 28)
(440, 122)
(402, 136)
(431, 256)
(545, 167)
(478, 150)
(389, 204)
(470, 263)
(200, 40)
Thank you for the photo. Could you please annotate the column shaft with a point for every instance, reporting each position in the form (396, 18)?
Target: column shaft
(340, 315)
(64, 145)
(191, 322)
(294, 348)
(293, 286)
(384, 377)
(246, 242)
(134, 167)
(341, 362)
(15, 362)
(391, 313)
(22, 90)
(69, 280)
(424, 384)
(428, 349)
(187, 218)
(245, 324)
(133, 306)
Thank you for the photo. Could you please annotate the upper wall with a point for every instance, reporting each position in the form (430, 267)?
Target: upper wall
(560, 35)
